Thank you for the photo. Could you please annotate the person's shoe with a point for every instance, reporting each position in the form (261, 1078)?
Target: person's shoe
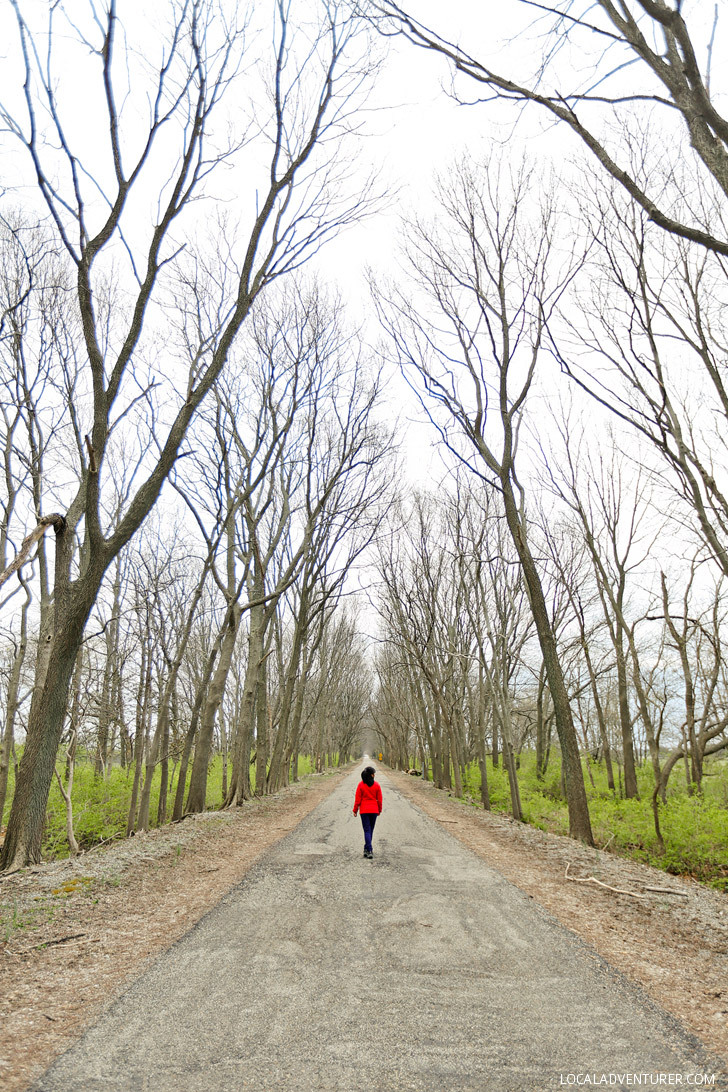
(368, 854)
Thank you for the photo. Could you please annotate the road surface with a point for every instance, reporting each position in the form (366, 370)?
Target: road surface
(420, 970)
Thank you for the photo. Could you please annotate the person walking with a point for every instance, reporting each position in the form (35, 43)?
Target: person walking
(368, 802)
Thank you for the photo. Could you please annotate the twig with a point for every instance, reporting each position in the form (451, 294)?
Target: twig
(668, 891)
(593, 879)
(105, 841)
(61, 940)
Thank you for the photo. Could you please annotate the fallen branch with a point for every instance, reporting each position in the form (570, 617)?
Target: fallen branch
(61, 940)
(668, 891)
(593, 879)
(105, 842)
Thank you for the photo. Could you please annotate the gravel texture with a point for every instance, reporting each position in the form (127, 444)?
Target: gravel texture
(672, 940)
(75, 933)
(423, 969)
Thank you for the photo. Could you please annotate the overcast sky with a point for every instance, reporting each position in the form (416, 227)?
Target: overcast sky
(413, 129)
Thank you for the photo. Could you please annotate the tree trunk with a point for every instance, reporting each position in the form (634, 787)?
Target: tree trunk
(625, 720)
(601, 719)
(141, 729)
(579, 823)
(48, 709)
(164, 771)
(179, 796)
(67, 790)
(509, 760)
(542, 743)
(224, 752)
(108, 686)
(239, 789)
(197, 795)
(495, 758)
(281, 743)
(11, 708)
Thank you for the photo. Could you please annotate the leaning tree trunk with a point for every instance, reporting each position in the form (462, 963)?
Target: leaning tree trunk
(71, 610)
(579, 822)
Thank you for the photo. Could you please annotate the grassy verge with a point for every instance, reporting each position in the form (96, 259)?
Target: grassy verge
(694, 828)
(101, 804)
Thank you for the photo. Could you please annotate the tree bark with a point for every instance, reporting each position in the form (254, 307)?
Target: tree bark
(579, 822)
(197, 794)
(11, 706)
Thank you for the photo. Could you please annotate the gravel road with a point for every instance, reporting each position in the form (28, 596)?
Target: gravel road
(420, 970)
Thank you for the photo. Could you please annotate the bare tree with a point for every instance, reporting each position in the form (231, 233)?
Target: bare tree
(648, 53)
(653, 331)
(315, 84)
(492, 282)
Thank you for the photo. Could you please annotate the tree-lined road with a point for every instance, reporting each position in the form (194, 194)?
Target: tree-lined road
(422, 969)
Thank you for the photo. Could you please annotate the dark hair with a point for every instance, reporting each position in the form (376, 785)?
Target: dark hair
(367, 775)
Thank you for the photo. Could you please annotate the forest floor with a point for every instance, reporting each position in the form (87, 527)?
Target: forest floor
(73, 934)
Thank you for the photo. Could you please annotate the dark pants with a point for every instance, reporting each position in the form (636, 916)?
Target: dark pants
(367, 821)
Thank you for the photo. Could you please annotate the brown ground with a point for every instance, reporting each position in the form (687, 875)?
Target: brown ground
(72, 934)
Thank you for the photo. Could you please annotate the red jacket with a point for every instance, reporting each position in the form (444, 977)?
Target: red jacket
(368, 799)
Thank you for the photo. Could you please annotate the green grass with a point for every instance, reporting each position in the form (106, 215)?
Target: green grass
(694, 828)
(101, 805)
